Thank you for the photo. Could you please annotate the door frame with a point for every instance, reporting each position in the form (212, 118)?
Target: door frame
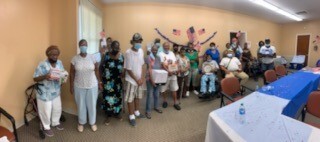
(234, 31)
(296, 44)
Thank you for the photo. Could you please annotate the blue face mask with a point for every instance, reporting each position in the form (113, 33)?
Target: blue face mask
(158, 44)
(83, 49)
(137, 46)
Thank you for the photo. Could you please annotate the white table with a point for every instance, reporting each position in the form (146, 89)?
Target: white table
(264, 122)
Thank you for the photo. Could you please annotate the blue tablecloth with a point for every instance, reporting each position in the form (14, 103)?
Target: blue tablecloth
(295, 87)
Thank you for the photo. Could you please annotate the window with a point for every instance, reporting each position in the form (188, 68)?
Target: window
(90, 25)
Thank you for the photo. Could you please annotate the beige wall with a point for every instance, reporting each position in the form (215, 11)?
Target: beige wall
(289, 40)
(122, 20)
(24, 37)
(27, 29)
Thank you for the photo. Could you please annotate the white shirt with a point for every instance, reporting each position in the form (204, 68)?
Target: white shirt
(267, 51)
(166, 59)
(85, 76)
(233, 65)
(212, 63)
(133, 61)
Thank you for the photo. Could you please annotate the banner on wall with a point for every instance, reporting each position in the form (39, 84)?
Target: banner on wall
(192, 36)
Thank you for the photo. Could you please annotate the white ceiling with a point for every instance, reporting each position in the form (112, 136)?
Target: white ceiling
(245, 7)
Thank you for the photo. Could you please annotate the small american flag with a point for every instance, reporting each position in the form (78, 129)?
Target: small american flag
(238, 34)
(102, 34)
(176, 32)
(191, 35)
(201, 31)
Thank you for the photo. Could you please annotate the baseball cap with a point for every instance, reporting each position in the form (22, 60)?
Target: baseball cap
(137, 37)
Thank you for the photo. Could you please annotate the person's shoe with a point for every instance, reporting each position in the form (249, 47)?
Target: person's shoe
(158, 110)
(164, 104)
(187, 94)
(195, 92)
(119, 117)
(80, 128)
(148, 115)
(141, 116)
(48, 133)
(94, 127)
(59, 127)
(107, 121)
(177, 107)
(132, 122)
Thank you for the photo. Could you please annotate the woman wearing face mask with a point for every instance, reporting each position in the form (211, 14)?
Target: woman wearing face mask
(49, 102)
(246, 58)
(112, 69)
(84, 83)
(184, 66)
(261, 43)
(193, 77)
(213, 52)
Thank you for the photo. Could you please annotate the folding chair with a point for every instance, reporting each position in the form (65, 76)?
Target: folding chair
(312, 107)
(4, 131)
(230, 87)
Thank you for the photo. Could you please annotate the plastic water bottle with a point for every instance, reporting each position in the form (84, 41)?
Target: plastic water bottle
(242, 114)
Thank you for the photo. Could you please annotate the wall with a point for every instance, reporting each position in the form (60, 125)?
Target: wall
(24, 37)
(289, 34)
(27, 29)
(124, 19)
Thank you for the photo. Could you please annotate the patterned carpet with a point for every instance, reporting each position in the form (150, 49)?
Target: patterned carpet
(187, 125)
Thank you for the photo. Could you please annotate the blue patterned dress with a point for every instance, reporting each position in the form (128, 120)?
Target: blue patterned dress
(112, 84)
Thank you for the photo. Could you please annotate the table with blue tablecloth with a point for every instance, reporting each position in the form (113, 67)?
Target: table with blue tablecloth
(270, 113)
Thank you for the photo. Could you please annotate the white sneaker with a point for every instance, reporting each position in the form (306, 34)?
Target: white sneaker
(188, 94)
(80, 128)
(195, 92)
(94, 128)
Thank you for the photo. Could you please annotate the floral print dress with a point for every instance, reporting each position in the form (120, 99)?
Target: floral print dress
(112, 84)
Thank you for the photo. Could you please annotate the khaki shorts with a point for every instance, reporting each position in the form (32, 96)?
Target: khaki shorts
(172, 85)
(133, 92)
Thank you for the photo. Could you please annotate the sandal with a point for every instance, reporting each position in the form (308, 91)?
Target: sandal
(158, 110)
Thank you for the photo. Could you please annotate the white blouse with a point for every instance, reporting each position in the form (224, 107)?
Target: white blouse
(85, 76)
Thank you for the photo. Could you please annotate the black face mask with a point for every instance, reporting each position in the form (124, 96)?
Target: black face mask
(114, 52)
(175, 49)
(52, 61)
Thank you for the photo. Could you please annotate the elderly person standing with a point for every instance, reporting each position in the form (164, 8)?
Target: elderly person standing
(84, 82)
(236, 48)
(193, 78)
(112, 70)
(48, 98)
(232, 67)
(169, 59)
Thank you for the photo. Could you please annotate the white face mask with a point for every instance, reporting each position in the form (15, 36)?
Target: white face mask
(213, 47)
(229, 55)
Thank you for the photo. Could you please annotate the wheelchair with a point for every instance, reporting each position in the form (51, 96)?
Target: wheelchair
(211, 95)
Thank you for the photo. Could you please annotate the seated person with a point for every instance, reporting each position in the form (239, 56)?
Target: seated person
(208, 69)
(232, 67)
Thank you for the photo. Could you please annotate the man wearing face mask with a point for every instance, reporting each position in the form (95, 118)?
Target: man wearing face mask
(133, 65)
(168, 59)
(236, 48)
(213, 52)
(267, 53)
(175, 49)
(232, 67)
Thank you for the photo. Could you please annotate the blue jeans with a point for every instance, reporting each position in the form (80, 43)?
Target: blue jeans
(152, 91)
(204, 79)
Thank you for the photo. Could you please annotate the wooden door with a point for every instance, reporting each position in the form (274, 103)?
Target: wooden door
(303, 46)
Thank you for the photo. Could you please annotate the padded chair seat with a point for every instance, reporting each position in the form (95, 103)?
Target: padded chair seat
(315, 125)
(6, 132)
(235, 99)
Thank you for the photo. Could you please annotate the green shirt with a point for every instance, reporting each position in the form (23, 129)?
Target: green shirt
(193, 57)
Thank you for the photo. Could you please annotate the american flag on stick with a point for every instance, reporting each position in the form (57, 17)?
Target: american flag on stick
(201, 31)
(102, 34)
(191, 35)
(238, 34)
(176, 32)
